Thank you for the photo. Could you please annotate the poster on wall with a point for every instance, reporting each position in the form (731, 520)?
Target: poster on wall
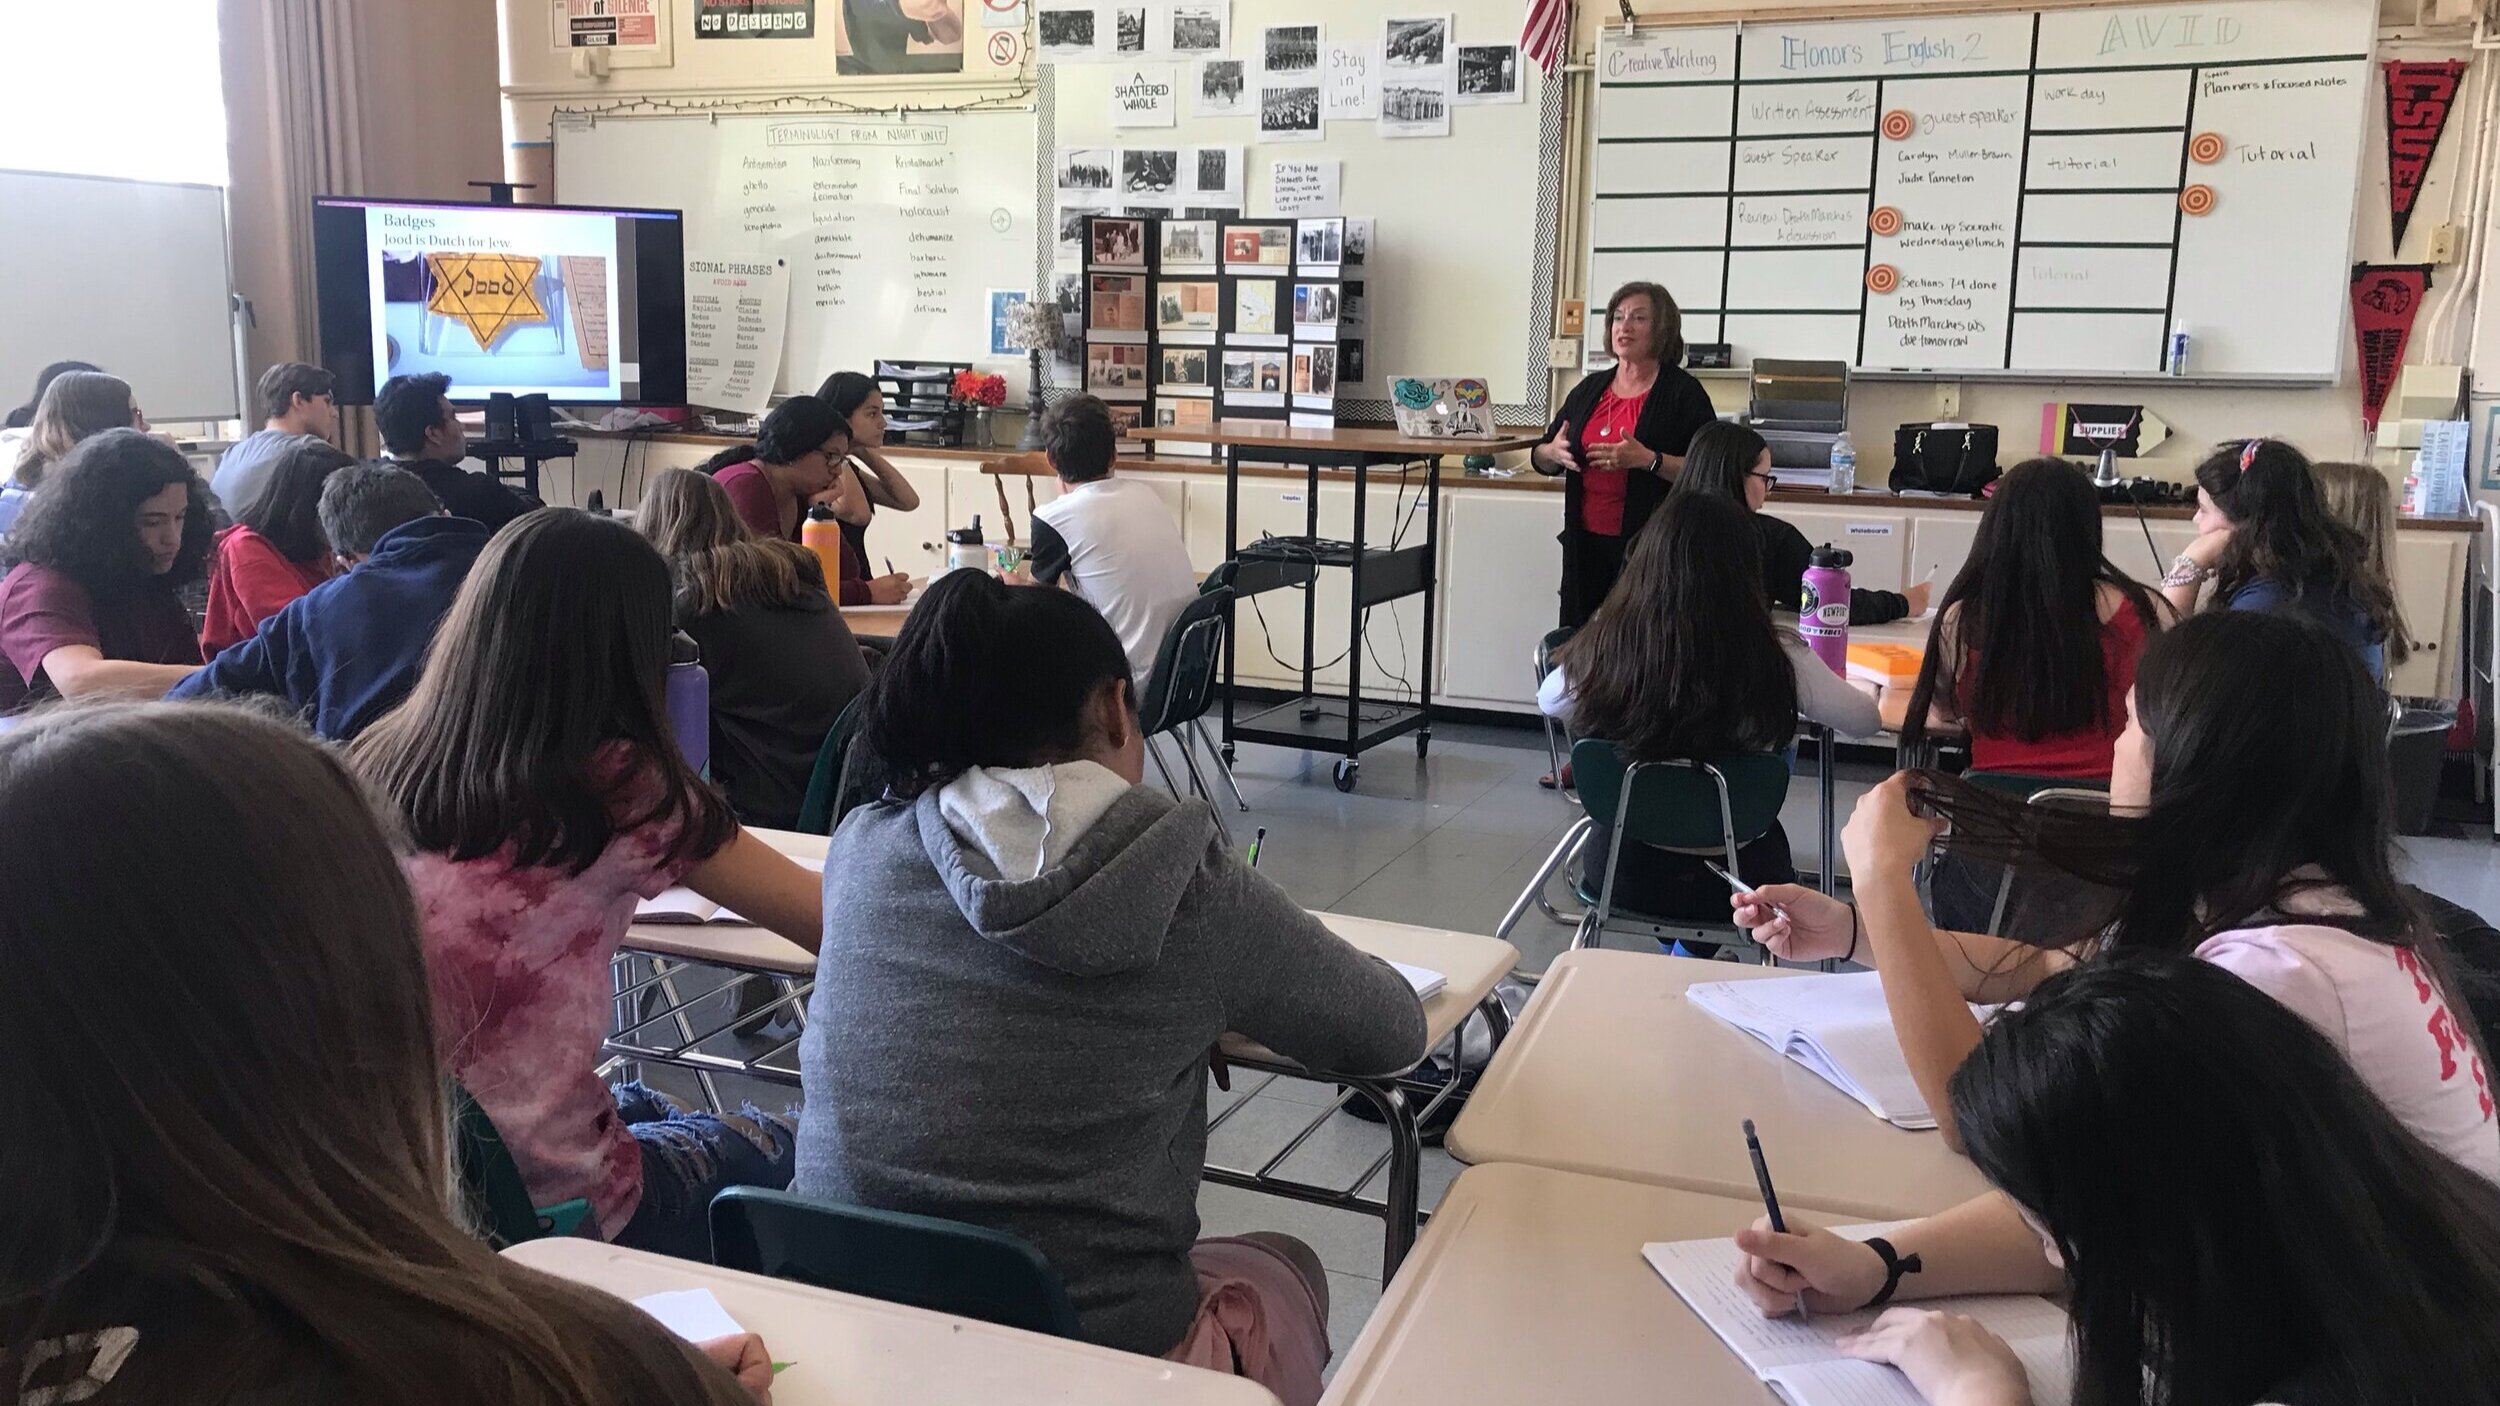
(639, 26)
(898, 36)
(754, 19)
(737, 310)
(1488, 73)
(2385, 300)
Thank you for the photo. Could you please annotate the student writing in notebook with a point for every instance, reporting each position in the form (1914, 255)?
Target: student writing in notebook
(2234, 1216)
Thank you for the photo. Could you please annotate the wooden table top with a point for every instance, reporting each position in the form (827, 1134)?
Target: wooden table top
(1280, 434)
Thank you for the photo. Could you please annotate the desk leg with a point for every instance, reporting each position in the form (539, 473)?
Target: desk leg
(1404, 1193)
(1827, 748)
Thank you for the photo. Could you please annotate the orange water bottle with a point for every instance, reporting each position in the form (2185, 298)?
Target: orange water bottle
(822, 534)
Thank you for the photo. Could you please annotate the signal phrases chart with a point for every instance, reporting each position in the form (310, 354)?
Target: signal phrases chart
(2016, 192)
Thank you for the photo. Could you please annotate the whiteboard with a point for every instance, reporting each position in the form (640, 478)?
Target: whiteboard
(2013, 193)
(129, 275)
(895, 231)
(1460, 270)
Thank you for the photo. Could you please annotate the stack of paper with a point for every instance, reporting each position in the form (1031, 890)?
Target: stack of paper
(1799, 1358)
(682, 905)
(1425, 980)
(1837, 1026)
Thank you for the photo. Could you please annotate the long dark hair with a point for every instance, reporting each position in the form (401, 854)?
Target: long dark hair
(1715, 464)
(1681, 659)
(2237, 1211)
(259, 1127)
(288, 512)
(556, 647)
(844, 392)
(24, 415)
(2027, 602)
(987, 675)
(82, 523)
(790, 431)
(2282, 531)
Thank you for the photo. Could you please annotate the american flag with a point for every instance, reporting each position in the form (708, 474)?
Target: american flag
(1548, 33)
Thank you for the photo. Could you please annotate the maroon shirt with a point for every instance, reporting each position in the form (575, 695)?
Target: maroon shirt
(42, 610)
(758, 505)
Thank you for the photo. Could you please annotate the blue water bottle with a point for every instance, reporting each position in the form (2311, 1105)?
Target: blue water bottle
(689, 700)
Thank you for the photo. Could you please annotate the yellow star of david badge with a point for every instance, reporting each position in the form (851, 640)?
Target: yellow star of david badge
(486, 293)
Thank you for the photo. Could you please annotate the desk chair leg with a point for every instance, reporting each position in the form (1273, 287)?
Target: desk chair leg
(1534, 893)
(2005, 893)
(1593, 928)
(1223, 768)
(1198, 783)
(1403, 1193)
(1162, 768)
(1544, 905)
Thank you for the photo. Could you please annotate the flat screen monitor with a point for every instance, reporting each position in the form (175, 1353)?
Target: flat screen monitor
(581, 305)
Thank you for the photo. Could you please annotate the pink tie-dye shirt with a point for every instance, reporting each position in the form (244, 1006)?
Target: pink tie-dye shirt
(518, 959)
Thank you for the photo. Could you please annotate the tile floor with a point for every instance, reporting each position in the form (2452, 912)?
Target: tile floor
(1449, 842)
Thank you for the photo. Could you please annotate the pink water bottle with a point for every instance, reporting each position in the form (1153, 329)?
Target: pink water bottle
(1823, 607)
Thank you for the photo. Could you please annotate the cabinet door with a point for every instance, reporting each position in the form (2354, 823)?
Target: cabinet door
(914, 541)
(2429, 568)
(2143, 547)
(1499, 596)
(1877, 542)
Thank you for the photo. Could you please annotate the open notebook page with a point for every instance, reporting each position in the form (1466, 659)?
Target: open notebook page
(684, 905)
(1799, 1357)
(1836, 1025)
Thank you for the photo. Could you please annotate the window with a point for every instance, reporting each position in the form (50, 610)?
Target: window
(133, 91)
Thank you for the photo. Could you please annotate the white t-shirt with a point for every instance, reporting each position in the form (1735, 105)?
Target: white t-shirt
(2379, 1006)
(1114, 543)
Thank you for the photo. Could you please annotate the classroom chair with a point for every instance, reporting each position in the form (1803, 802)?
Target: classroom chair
(828, 799)
(919, 1261)
(1543, 665)
(1024, 466)
(1187, 665)
(490, 1182)
(2067, 793)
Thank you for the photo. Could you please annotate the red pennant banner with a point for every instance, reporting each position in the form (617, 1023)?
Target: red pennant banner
(2385, 300)
(2419, 97)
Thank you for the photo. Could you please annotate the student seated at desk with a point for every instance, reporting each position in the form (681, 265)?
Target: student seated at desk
(299, 401)
(1110, 540)
(874, 482)
(76, 406)
(89, 606)
(2250, 828)
(2266, 541)
(1027, 957)
(241, 1191)
(24, 415)
(349, 650)
(1682, 661)
(782, 663)
(2234, 1216)
(543, 794)
(274, 552)
(1730, 461)
(797, 460)
(421, 428)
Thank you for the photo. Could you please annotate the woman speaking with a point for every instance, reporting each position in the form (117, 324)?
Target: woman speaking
(1621, 438)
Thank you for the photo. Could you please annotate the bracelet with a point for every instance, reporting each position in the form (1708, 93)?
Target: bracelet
(1852, 954)
(2185, 570)
(1896, 1264)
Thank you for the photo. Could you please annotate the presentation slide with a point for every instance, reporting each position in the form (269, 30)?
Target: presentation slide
(583, 306)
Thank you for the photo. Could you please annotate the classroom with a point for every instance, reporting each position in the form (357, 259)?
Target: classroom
(1251, 702)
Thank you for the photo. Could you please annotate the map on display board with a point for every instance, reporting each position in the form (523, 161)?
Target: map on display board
(2014, 193)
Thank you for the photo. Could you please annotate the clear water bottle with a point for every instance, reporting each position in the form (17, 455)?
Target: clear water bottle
(1844, 465)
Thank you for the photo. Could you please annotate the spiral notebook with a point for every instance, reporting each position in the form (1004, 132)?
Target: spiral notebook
(1835, 1025)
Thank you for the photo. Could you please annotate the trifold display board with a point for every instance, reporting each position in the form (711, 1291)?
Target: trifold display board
(895, 231)
(2016, 192)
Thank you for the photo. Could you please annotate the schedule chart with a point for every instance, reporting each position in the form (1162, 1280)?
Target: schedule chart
(2008, 192)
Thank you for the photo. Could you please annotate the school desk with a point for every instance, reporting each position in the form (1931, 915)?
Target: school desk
(657, 1022)
(864, 1352)
(1529, 1286)
(1612, 1072)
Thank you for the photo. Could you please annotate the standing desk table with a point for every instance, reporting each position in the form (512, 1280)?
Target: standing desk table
(1378, 575)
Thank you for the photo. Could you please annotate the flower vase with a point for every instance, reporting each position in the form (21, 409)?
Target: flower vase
(984, 435)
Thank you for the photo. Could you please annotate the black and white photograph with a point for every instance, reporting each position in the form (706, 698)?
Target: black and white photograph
(1289, 114)
(1067, 32)
(1198, 29)
(1215, 170)
(1323, 240)
(1411, 45)
(1129, 30)
(1185, 366)
(1067, 298)
(1241, 370)
(1290, 48)
(1151, 171)
(1188, 244)
(1324, 370)
(1350, 301)
(1488, 73)
(1358, 239)
(1350, 362)
(1119, 243)
(1072, 231)
(1188, 307)
(1414, 109)
(1116, 368)
(1085, 169)
(1315, 305)
(1222, 89)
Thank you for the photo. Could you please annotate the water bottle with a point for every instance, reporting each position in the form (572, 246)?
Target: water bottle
(964, 547)
(1844, 465)
(2178, 350)
(689, 701)
(1823, 607)
(821, 534)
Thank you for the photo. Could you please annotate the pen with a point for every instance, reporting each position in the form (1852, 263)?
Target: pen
(1740, 885)
(1770, 1198)
(889, 566)
(1254, 846)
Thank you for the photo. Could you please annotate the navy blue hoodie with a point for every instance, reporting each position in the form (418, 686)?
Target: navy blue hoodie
(349, 650)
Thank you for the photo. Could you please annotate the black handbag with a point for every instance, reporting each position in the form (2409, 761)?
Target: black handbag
(1951, 459)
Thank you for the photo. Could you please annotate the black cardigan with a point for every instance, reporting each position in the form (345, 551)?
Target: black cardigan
(1676, 410)
(1785, 554)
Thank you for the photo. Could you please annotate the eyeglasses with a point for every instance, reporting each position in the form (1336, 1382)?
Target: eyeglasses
(1761, 477)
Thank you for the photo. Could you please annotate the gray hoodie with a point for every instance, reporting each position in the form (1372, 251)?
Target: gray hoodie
(1030, 1054)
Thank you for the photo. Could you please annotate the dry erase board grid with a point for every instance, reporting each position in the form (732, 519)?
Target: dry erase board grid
(1993, 193)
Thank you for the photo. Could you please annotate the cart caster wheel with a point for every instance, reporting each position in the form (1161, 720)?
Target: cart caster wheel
(1423, 745)
(1346, 772)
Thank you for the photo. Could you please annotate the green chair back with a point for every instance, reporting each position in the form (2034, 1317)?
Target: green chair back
(2022, 785)
(923, 1261)
(1676, 806)
(821, 809)
(491, 1182)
